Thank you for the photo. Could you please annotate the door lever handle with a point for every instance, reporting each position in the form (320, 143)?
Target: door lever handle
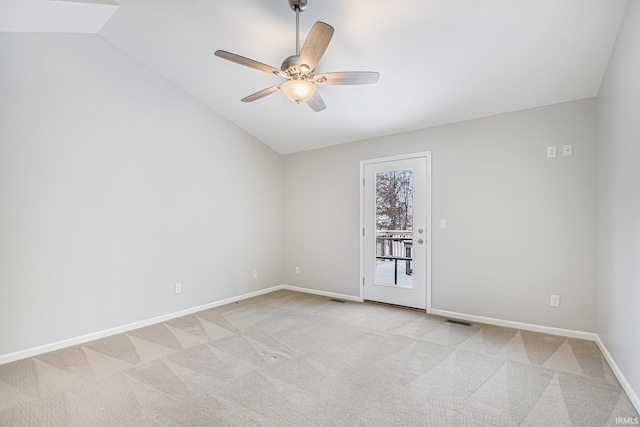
(421, 241)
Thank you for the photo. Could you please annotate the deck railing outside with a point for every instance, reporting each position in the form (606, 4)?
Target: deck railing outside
(395, 245)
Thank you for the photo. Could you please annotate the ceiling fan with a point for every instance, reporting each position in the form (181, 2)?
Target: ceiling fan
(298, 70)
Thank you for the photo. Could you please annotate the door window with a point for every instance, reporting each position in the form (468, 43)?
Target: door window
(394, 225)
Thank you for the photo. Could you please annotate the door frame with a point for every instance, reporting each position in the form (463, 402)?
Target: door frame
(363, 163)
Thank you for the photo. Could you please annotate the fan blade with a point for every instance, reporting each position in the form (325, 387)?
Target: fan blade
(264, 92)
(315, 45)
(347, 78)
(316, 102)
(247, 62)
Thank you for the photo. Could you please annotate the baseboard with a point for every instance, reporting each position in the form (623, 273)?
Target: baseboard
(321, 293)
(6, 358)
(570, 333)
(23, 354)
(633, 397)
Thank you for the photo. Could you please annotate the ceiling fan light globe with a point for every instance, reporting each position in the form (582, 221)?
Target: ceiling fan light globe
(298, 90)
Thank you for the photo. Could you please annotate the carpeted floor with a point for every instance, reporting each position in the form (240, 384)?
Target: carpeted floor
(292, 359)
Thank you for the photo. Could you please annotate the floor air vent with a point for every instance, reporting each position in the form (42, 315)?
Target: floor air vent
(458, 322)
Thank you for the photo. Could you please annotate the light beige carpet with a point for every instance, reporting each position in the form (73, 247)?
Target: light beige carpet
(292, 359)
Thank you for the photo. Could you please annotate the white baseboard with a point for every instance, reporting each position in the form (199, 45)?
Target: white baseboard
(633, 397)
(30, 352)
(23, 354)
(321, 293)
(570, 333)
(6, 358)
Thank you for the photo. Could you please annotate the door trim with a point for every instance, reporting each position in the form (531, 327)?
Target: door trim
(427, 156)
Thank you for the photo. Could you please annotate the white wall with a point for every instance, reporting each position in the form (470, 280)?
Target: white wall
(520, 226)
(618, 296)
(114, 185)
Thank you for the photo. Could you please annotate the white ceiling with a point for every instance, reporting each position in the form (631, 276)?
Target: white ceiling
(46, 16)
(440, 61)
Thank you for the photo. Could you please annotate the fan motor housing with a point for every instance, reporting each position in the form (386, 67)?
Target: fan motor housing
(290, 62)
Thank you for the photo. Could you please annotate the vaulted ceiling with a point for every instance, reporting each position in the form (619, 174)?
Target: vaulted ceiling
(440, 61)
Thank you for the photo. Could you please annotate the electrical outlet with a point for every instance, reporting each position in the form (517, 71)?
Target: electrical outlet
(297, 270)
(177, 288)
(555, 301)
(551, 151)
(255, 273)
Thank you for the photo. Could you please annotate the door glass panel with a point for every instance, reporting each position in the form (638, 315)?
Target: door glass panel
(394, 225)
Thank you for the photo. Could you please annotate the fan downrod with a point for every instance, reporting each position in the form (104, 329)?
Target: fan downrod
(298, 5)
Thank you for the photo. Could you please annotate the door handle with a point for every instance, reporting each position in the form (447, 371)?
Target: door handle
(421, 241)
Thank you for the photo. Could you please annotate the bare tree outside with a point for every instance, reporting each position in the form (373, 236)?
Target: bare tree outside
(394, 200)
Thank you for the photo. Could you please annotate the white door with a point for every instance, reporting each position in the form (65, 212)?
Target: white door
(396, 230)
